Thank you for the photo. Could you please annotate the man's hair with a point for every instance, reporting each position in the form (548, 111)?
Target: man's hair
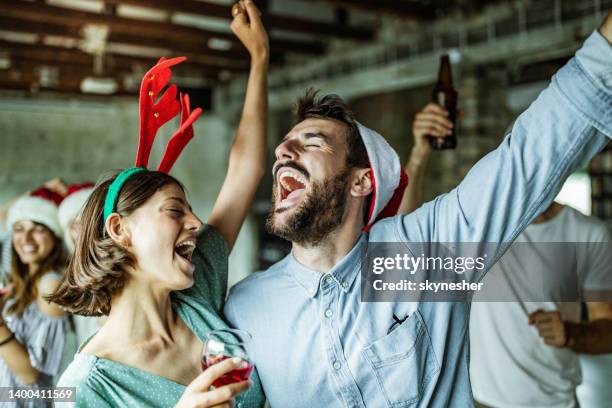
(98, 269)
(331, 106)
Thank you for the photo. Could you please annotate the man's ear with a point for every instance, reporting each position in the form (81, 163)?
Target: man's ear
(117, 230)
(361, 183)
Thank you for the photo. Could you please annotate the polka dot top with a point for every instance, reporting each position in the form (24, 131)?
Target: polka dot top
(101, 382)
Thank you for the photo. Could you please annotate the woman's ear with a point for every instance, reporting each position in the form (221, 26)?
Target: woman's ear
(117, 230)
(361, 183)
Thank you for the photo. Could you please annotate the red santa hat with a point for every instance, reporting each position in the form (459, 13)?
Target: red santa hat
(73, 203)
(40, 206)
(388, 178)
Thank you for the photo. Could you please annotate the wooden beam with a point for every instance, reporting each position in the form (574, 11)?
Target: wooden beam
(30, 81)
(405, 9)
(22, 64)
(75, 19)
(230, 59)
(283, 22)
(58, 56)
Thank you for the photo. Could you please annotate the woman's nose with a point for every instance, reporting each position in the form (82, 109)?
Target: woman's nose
(194, 223)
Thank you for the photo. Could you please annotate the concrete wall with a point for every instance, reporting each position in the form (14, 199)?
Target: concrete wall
(81, 139)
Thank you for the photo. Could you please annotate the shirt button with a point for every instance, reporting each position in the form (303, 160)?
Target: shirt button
(344, 284)
(328, 313)
(336, 365)
(329, 280)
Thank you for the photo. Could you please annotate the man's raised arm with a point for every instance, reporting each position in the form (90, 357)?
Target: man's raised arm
(561, 131)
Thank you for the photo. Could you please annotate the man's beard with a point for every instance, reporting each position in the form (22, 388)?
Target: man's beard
(320, 213)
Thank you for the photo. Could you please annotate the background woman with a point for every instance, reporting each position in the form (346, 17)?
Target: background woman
(32, 329)
(161, 275)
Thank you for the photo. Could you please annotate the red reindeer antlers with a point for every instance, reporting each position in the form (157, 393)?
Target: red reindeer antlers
(181, 137)
(155, 115)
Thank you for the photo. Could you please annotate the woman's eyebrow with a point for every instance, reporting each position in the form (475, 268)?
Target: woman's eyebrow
(180, 200)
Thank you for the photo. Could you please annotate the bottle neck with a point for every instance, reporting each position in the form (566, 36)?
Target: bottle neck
(445, 75)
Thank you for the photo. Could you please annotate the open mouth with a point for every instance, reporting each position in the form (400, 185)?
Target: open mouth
(29, 249)
(291, 184)
(185, 249)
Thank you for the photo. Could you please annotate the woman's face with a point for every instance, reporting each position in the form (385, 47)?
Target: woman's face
(33, 242)
(163, 236)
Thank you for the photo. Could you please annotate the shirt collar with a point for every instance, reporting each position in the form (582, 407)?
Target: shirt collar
(342, 274)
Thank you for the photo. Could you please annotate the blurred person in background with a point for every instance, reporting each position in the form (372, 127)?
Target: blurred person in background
(75, 196)
(32, 329)
(523, 346)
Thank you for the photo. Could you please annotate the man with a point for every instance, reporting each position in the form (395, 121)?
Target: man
(315, 344)
(506, 354)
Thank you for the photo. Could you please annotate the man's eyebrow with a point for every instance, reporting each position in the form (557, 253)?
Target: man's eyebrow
(311, 135)
(308, 135)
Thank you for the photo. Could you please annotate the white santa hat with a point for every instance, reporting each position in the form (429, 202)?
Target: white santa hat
(40, 206)
(74, 202)
(388, 177)
(71, 207)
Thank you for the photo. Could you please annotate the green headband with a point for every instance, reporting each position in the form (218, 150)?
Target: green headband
(110, 202)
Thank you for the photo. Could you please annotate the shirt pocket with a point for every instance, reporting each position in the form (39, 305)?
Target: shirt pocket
(403, 362)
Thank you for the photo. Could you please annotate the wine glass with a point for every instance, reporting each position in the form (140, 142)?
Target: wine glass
(223, 344)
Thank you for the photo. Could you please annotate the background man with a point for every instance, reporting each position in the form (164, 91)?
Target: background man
(506, 354)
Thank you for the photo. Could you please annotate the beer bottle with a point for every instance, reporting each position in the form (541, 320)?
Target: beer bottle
(445, 95)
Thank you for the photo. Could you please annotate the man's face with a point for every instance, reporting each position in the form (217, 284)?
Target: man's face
(310, 181)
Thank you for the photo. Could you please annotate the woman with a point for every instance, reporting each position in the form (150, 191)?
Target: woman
(159, 274)
(32, 329)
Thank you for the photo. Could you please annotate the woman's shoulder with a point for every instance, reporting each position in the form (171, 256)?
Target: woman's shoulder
(47, 285)
(48, 282)
(50, 276)
(212, 244)
(80, 375)
(78, 371)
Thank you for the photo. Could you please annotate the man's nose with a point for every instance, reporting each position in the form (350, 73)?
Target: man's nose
(28, 235)
(287, 150)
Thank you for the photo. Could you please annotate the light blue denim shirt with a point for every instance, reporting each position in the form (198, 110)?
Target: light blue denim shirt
(316, 344)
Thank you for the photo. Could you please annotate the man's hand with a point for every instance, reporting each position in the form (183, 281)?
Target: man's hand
(249, 29)
(56, 185)
(606, 28)
(433, 121)
(550, 327)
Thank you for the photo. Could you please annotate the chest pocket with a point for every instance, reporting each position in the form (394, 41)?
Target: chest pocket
(403, 362)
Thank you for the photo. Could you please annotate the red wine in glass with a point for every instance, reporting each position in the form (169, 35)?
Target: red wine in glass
(239, 374)
(222, 344)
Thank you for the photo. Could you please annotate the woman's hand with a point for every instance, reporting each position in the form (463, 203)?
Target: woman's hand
(197, 393)
(606, 28)
(5, 291)
(56, 185)
(249, 29)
